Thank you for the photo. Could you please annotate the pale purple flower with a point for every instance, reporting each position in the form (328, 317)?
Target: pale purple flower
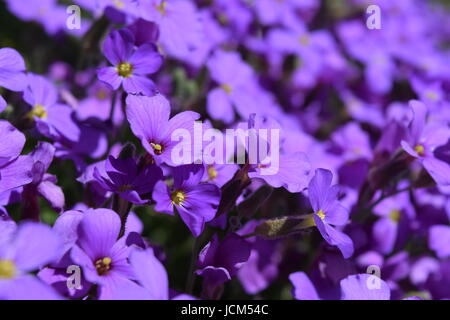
(12, 67)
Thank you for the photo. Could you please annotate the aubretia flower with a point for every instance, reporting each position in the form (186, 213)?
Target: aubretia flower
(102, 257)
(52, 119)
(289, 170)
(12, 69)
(232, 76)
(364, 287)
(219, 261)
(439, 239)
(391, 230)
(15, 170)
(195, 202)
(328, 211)
(124, 177)
(178, 22)
(149, 121)
(423, 142)
(43, 184)
(353, 287)
(130, 65)
(25, 249)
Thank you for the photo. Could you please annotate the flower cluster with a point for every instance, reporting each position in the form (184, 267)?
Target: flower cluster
(322, 166)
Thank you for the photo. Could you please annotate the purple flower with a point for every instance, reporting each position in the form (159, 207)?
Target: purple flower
(124, 177)
(130, 65)
(15, 170)
(232, 75)
(43, 184)
(178, 22)
(439, 239)
(150, 273)
(52, 118)
(219, 261)
(303, 289)
(423, 142)
(391, 230)
(364, 287)
(47, 12)
(353, 287)
(99, 252)
(328, 211)
(12, 69)
(149, 121)
(261, 268)
(22, 250)
(195, 202)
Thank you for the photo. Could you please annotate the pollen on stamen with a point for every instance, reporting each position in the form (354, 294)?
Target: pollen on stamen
(38, 111)
(162, 8)
(227, 88)
(419, 149)
(304, 40)
(321, 214)
(178, 197)
(212, 173)
(7, 269)
(119, 4)
(103, 265)
(124, 69)
(157, 148)
(395, 215)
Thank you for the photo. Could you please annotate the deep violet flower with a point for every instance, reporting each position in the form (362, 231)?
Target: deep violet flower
(127, 179)
(149, 121)
(195, 202)
(220, 260)
(130, 65)
(328, 211)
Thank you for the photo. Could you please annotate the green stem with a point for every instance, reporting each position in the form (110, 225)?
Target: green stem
(191, 275)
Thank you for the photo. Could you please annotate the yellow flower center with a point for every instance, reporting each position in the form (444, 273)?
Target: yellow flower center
(394, 215)
(103, 265)
(119, 4)
(178, 197)
(124, 69)
(226, 88)
(212, 173)
(162, 8)
(7, 269)
(304, 40)
(321, 214)
(431, 95)
(419, 149)
(38, 111)
(157, 148)
(101, 94)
